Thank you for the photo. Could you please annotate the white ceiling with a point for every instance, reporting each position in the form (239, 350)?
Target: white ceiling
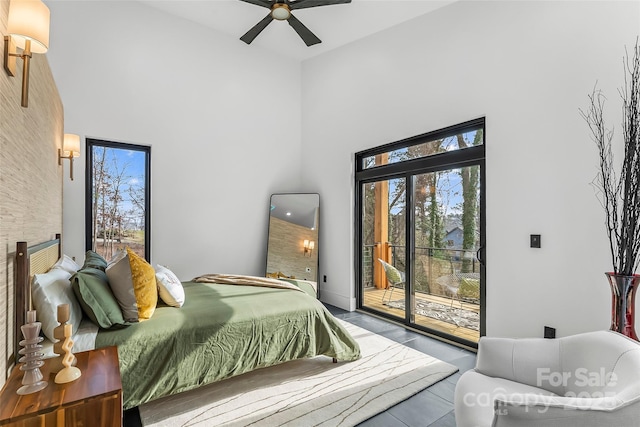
(335, 25)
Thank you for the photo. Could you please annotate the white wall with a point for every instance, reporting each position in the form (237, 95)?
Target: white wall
(528, 68)
(222, 119)
(207, 105)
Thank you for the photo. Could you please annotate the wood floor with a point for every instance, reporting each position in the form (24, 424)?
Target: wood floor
(373, 299)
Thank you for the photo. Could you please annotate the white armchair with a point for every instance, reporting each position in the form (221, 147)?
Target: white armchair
(585, 380)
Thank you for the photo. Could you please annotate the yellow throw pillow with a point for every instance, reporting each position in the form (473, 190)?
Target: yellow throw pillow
(144, 285)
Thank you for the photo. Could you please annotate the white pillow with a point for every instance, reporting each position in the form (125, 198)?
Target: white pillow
(50, 290)
(67, 264)
(169, 287)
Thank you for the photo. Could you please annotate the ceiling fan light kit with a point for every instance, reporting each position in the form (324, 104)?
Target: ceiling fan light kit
(280, 10)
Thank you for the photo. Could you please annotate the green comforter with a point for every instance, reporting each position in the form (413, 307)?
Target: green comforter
(219, 332)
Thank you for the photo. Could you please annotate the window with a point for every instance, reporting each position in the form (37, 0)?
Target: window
(452, 139)
(117, 213)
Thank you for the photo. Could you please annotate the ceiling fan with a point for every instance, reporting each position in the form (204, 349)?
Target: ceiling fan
(281, 11)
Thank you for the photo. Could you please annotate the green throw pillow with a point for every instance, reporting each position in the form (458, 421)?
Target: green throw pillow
(96, 299)
(94, 260)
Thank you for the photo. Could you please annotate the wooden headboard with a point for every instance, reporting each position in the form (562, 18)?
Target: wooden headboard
(30, 260)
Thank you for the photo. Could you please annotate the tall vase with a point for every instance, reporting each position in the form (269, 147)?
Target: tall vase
(623, 296)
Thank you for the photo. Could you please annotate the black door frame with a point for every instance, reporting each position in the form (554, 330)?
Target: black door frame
(470, 156)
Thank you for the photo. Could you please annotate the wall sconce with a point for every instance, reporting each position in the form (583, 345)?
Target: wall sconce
(28, 27)
(308, 247)
(70, 149)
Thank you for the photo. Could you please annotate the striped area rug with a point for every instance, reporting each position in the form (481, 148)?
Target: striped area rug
(305, 393)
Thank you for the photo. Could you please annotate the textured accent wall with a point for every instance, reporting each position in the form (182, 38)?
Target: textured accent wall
(30, 178)
(286, 249)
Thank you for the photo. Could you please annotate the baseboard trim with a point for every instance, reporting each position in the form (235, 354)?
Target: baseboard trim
(338, 300)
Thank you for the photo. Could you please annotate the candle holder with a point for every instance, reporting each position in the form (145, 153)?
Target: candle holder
(68, 373)
(55, 364)
(32, 380)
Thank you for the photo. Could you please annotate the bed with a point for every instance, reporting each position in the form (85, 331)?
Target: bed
(222, 330)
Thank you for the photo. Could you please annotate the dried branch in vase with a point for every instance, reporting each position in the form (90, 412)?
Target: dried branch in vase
(620, 195)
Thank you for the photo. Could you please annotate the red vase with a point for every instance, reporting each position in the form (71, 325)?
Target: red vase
(623, 297)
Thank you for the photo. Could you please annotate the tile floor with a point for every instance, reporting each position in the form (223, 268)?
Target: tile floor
(432, 407)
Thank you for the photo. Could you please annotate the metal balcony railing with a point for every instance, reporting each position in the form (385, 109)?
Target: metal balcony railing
(431, 263)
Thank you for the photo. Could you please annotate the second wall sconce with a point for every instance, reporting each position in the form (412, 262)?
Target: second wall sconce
(28, 28)
(70, 149)
(308, 247)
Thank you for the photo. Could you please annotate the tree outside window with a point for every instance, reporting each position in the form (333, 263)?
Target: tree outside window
(118, 203)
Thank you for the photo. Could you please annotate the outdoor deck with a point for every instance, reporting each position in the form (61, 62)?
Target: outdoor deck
(373, 299)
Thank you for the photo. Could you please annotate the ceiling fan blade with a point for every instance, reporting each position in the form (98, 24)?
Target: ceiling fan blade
(263, 3)
(304, 4)
(257, 29)
(307, 36)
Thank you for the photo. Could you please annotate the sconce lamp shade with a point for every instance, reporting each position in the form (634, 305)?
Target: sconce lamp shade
(71, 144)
(70, 149)
(29, 20)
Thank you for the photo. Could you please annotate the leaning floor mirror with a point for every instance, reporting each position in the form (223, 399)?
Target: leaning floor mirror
(292, 248)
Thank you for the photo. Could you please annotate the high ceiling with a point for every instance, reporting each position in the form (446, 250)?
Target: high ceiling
(335, 25)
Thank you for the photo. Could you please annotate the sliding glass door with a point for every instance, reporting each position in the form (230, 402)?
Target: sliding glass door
(384, 242)
(420, 232)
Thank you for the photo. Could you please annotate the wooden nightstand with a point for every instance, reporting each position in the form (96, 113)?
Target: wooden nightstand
(94, 399)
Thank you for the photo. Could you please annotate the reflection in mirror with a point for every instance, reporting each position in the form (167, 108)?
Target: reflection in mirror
(292, 249)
